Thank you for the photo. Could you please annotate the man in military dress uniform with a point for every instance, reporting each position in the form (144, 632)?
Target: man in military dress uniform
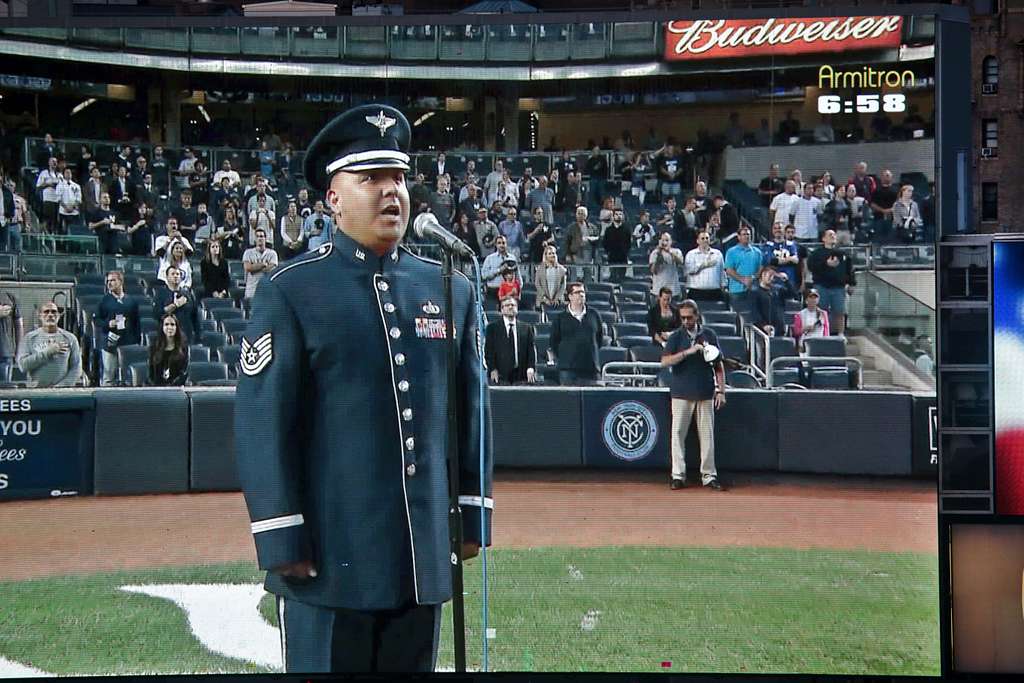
(341, 420)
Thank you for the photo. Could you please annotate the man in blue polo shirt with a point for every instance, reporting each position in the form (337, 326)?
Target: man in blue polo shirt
(742, 264)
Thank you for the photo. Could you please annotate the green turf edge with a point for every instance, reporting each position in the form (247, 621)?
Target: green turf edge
(766, 610)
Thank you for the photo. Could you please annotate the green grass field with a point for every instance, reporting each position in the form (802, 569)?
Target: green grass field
(702, 609)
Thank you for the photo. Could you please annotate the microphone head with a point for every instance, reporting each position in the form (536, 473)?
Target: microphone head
(421, 222)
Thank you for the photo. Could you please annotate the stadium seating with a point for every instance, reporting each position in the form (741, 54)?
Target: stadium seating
(197, 353)
(201, 372)
(635, 317)
(741, 379)
(825, 346)
(84, 290)
(229, 356)
(629, 341)
(222, 314)
(541, 342)
(734, 347)
(209, 325)
(727, 317)
(527, 316)
(723, 329)
(147, 325)
(214, 340)
(139, 374)
(830, 378)
(612, 354)
(210, 303)
(233, 327)
(779, 347)
(787, 375)
(630, 329)
(651, 353)
(130, 355)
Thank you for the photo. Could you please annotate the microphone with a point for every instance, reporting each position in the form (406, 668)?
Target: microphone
(426, 227)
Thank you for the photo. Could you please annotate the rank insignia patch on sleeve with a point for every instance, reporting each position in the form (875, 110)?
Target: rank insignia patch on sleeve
(256, 356)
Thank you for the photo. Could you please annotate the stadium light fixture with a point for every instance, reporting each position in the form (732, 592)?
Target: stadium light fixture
(202, 110)
(422, 118)
(83, 105)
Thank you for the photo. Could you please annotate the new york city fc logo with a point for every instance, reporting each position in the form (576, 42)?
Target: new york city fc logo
(630, 430)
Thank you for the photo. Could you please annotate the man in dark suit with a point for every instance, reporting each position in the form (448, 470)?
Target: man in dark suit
(437, 169)
(510, 351)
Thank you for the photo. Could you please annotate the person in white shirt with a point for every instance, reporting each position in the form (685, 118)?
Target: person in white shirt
(173, 235)
(176, 255)
(783, 206)
(805, 217)
(70, 202)
(257, 262)
(186, 167)
(490, 269)
(234, 180)
(491, 183)
(263, 218)
(48, 180)
(704, 267)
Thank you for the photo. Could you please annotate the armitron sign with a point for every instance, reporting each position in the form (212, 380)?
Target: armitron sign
(725, 38)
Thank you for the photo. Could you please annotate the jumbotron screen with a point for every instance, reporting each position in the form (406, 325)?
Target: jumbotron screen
(759, 190)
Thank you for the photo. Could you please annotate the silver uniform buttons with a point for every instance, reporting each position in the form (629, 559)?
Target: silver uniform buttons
(403, 386)
(399, 359)
(395, 333)
(389, 307)
(407, 414)
(411, 470)
(382, 286)
(410, 443)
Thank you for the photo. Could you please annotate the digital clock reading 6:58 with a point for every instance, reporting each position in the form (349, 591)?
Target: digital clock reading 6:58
(864, 104)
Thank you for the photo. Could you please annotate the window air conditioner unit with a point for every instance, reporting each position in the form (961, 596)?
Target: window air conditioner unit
(989, 88)
(989, 152)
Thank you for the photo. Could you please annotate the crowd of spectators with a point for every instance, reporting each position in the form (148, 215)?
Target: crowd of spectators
(601, 224)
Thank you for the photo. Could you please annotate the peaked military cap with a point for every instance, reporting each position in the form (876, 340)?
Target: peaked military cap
(366, 137)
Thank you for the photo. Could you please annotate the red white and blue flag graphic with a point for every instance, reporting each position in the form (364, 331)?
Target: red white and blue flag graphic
(1008, 321)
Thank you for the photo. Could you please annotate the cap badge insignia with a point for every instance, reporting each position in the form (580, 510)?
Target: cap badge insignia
(381, 122)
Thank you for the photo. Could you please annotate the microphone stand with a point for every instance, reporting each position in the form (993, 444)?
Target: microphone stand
(454, 513)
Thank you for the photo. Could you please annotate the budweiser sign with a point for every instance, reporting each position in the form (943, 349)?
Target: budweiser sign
(723, 38)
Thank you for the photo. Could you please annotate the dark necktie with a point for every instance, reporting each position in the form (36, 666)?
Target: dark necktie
(510, 330)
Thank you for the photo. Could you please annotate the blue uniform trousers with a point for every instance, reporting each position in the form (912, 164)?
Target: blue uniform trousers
(325, 640)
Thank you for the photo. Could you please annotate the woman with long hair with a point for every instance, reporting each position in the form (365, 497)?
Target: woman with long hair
(168, 354)
(663, 317)
(906, 215)
(231, 233)
(214, 270)
(176, 256)
(549, 279)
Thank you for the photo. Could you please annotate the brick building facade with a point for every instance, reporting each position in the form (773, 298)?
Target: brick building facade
(997, 91)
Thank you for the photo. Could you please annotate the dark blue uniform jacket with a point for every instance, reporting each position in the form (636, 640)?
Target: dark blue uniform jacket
(341, 423)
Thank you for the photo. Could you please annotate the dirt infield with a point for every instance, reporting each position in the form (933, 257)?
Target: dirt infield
(535, 508)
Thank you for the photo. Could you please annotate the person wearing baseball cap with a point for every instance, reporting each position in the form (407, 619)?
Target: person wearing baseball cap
(810, 321)
(347, 492)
